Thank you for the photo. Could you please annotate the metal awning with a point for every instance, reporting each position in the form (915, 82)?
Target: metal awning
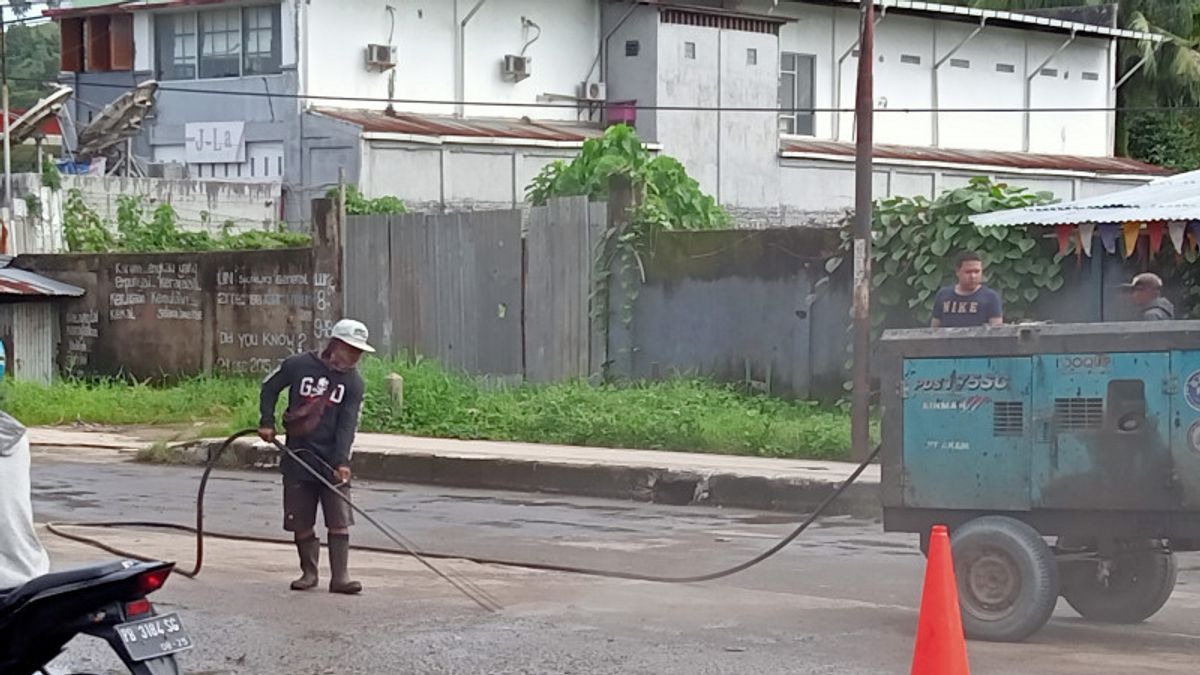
(1174, 198)
(23, 283)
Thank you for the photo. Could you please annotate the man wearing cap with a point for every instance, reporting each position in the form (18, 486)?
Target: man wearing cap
(325, 394)
(1146, 293)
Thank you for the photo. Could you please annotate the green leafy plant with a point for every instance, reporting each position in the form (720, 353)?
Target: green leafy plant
(135, 233)
(668, 199)
(84, 229)
(359, 205)
(915, 240)
(51, 177)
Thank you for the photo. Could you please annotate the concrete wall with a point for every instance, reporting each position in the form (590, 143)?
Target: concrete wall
(425, 34)
(633, 78)
(156, 315)
(454, 178)
(819, 192)
(37, 224)
(828, 32)
(732, 306)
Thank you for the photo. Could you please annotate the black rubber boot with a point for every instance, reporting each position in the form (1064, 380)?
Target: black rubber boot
(310, 557)
(339, 565)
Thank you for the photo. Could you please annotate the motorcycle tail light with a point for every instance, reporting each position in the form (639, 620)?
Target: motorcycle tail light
(151, 581)
(137, 608)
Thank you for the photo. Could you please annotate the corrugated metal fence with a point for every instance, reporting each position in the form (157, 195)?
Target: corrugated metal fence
(469, 290)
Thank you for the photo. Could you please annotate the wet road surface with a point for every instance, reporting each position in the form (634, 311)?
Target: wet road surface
(842, 599)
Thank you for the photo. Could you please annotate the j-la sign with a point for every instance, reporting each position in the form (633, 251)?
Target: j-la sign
(968, 382)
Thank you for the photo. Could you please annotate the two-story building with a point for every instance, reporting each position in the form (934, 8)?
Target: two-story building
(457, 104)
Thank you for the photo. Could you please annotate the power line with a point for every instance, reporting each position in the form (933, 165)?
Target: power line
(664, 108)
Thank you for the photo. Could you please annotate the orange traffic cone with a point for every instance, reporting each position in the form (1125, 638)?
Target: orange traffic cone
(941, 648)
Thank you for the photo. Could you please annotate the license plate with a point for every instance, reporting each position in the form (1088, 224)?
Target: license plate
(154, 637)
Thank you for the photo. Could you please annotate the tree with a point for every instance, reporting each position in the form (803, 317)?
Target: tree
(33, 60)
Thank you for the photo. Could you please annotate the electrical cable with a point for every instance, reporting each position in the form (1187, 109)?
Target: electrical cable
(466, 587)
(639, 106)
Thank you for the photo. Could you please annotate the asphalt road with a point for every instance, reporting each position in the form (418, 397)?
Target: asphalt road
(843, 599)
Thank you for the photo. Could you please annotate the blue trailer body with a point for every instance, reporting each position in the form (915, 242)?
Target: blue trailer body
(1068, 427)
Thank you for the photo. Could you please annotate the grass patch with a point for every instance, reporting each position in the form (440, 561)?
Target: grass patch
(683, 414)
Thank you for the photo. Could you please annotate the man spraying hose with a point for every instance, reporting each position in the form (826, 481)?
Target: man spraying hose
(325, 395)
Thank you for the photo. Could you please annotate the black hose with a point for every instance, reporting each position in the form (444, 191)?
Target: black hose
(407, 549)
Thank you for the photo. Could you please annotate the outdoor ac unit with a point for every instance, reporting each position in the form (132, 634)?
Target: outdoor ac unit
(593, 91)
(516, 68)
(381, 57)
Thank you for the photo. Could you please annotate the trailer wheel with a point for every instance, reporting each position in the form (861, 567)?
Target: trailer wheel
(1007, 578)
(1128, 589)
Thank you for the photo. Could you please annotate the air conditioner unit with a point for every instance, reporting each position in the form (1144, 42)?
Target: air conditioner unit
(516, 68)
(381, 57)
(593, 91)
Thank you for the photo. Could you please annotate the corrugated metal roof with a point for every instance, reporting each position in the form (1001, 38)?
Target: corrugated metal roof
(378, 121)
(1171, 198)
(977, 158)
(20, 282)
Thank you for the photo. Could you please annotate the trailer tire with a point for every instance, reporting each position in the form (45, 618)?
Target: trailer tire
(1007, 579)
(1138, 587)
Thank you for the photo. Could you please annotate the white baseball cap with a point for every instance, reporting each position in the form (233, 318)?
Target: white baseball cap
(353, 333)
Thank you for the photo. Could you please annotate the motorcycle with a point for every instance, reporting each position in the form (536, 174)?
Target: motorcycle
(106, 600)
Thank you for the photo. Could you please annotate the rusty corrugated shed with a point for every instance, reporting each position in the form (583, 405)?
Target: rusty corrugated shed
(989, 158)
(20, 282)
(476, 127)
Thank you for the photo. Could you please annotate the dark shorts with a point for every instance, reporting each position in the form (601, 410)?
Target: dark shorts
(300, 500)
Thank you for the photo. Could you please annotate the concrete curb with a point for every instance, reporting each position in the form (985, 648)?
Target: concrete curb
(661, 485)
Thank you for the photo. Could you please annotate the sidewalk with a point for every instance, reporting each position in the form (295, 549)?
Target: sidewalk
(640, 475)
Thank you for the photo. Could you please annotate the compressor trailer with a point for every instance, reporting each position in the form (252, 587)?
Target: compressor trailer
(1064, 458)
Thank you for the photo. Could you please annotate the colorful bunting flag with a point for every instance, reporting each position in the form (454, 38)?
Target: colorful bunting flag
(1155, 230)
(1086, 230)
(1108, 236)
(1131, 230)
(1177, 229)
(1064, 237)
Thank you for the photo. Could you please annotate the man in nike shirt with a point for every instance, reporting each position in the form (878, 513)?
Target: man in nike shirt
(968, 302)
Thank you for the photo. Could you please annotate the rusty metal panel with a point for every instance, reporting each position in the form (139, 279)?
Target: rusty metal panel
(497, 245)
(32, 359)
(367, 276)
(558, 281)
(408, 270)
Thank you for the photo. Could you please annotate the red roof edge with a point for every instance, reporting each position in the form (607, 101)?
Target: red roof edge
(992, 158)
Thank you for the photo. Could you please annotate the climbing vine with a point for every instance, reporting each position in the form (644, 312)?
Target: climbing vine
(667, 199)
(141, 230)
(915, 240)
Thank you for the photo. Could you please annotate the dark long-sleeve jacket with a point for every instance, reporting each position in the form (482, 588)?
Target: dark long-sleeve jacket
(322, 414)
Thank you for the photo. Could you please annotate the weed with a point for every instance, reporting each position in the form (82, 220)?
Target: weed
(680, 414)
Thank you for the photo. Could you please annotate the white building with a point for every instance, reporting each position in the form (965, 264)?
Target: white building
(382, 80)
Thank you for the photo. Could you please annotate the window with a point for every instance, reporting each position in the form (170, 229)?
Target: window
(1091, 77)
(1049, 72)
(218, 43)
(796, 93)
(632, 47)
(911, 59)
(751, 57)
(262, 51)
(689, 50)
(1005, 68)
(960, 63)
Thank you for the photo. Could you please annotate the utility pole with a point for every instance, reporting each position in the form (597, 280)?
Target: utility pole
(6, 215)
(860, 416)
